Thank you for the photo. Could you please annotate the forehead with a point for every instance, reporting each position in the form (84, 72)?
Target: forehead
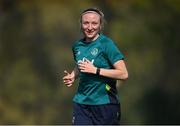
(90, 15)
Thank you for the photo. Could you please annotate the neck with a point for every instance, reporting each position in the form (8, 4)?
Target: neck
(92, 39)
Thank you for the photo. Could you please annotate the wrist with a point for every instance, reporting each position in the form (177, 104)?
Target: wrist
(98, 71)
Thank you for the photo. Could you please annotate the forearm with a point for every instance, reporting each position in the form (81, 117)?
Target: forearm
(113, 73)
(75, 72)
(119, 70)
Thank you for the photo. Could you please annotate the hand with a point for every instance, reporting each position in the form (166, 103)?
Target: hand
(68, 79)
(87, 67)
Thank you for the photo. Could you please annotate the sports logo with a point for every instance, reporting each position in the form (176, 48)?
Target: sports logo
(94, 51)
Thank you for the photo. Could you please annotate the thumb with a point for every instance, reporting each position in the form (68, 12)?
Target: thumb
(65, 72)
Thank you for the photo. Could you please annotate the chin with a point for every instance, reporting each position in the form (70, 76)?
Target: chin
(91, 35)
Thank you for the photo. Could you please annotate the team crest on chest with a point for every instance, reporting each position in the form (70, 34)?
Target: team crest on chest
(94, 51)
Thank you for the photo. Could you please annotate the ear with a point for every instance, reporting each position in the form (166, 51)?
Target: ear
(100, 28)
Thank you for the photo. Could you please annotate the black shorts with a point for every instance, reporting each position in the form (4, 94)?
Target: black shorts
(108, 114)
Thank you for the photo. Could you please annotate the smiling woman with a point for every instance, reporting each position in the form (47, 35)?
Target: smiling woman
(92, 21)
(99, 65)
(90, 26)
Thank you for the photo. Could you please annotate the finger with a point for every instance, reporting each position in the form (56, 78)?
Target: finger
(83, 70)
(66, 77)
(81, 67)
(68, 82)
(67, 73)
(83, 64)
(86, 60)
(80, 63)
(69, 85)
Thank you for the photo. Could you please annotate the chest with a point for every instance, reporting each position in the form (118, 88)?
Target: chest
(94, 53)
(88, 52)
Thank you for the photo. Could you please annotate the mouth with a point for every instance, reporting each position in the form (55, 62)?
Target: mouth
(89, 32)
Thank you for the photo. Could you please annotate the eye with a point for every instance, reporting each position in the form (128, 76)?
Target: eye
(85, 23)
(95, 23)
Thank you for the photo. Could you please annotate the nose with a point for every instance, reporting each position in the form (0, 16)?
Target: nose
(89, 26)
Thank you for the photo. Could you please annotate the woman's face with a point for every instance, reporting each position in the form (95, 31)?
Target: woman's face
(90, 25)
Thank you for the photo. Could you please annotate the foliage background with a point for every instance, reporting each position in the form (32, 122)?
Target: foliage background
(35, 48)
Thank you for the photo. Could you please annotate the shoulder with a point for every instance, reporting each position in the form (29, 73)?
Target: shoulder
(76, 43)
(106, 41)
